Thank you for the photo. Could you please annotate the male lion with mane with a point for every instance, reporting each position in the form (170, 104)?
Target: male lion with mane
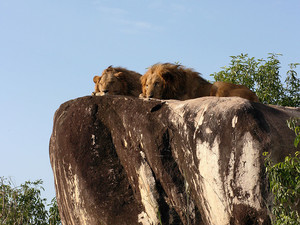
(171, 81)
(117, 81)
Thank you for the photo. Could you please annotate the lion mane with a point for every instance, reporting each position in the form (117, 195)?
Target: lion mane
(117, 81)
(172, 81)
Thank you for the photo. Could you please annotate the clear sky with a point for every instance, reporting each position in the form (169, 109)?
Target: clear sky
(51, 49)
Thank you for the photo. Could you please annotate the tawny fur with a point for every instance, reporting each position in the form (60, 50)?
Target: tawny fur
(223, 89)
(118, 81)
(171, 81)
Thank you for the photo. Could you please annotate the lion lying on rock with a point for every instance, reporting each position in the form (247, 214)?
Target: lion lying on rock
(171, 81)
(223, 89)
(117, 81)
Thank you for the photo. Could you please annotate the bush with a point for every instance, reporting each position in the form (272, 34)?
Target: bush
(284, 180)
(24, 205)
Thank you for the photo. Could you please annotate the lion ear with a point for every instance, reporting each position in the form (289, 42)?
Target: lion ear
(96, 79)
(119, 74)
(168, 77)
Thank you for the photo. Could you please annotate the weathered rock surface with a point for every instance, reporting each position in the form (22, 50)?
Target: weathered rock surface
(121, 160)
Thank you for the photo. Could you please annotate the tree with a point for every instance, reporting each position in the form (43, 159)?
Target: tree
(24, 205)
(263, 77)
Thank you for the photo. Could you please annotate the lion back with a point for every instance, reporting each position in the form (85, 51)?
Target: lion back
(224, 89)
(130, 80)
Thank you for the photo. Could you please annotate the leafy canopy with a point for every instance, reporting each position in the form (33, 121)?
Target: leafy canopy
(263, 77)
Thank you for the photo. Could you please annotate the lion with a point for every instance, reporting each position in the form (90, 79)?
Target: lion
(172, 81)
(117, 81)
(224, 89)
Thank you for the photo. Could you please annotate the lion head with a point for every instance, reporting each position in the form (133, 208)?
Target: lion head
(163, 81)
(110, 82)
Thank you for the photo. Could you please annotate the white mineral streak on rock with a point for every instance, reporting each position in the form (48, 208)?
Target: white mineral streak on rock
(61, 119)
(200, 116)
(229, 178)
(79, 201)
(208, 130)
(125, 143)
(143, 154)
(248, 173)
(148, 194)
(178, 107)
(68, 191)
(73, 187)
(213, 194)
(93, 139)
(195, 181)
(144, 219)
(218, 206)
(234, 121)
(179, 111)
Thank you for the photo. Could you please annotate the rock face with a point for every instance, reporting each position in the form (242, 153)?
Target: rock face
(121, 160)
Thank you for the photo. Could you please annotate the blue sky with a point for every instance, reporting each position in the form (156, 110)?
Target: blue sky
(50, 51)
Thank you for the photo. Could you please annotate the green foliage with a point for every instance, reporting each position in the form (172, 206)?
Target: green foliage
(262, 76)
(54, 218)
(293, 124)
(24, 205)
(292, 89)
(284, 179)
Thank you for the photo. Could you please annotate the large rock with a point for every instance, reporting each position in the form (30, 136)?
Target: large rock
(121, 160)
